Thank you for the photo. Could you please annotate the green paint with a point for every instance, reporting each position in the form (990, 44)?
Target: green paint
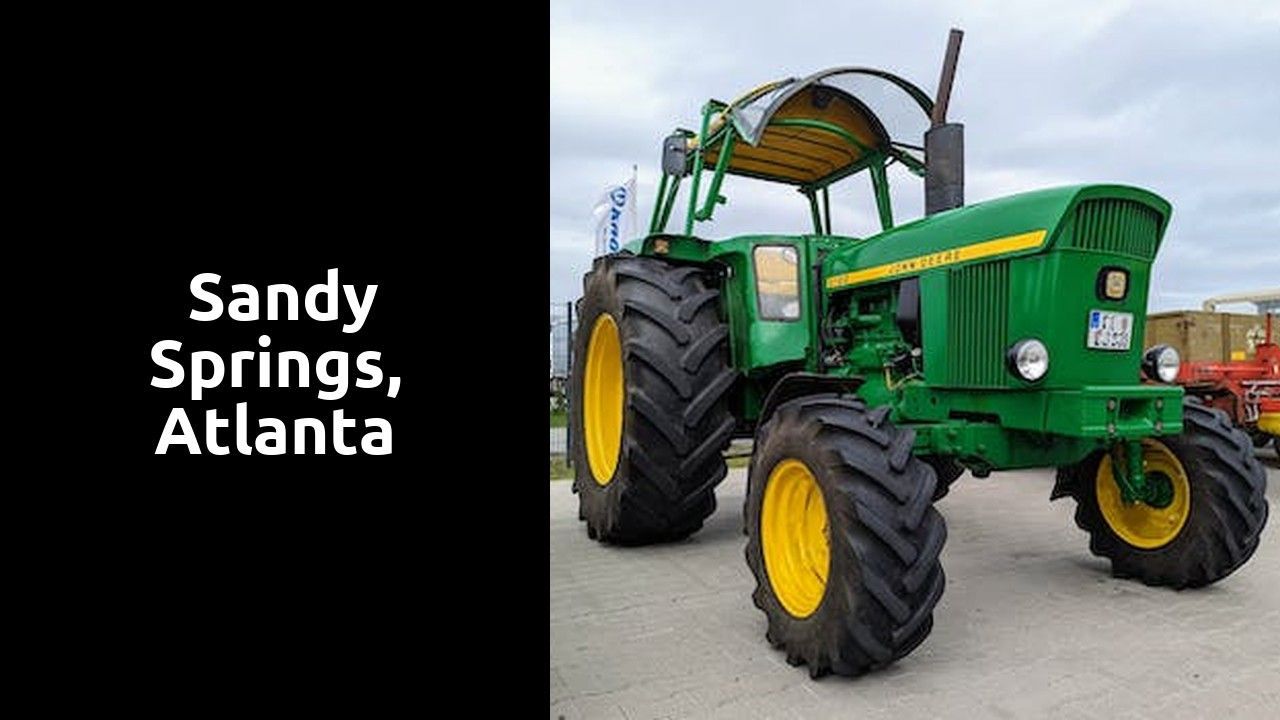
(813, 211)
(880, 186)
(953, 386)
(657, 203)
(824, 126)
(722, 164)
(697, 169)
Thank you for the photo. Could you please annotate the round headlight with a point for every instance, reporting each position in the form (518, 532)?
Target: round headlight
(1161, 363)
(1029, 359)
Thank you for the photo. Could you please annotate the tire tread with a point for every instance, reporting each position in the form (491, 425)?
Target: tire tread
(676, 418)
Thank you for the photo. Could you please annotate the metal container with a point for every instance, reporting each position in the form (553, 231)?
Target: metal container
(1206, 336)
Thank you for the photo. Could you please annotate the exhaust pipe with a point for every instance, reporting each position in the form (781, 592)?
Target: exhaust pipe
(944, 142)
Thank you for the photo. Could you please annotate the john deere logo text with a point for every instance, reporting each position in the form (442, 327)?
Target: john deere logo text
(998, 246)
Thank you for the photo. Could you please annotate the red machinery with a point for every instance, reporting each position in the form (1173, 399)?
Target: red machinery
(1248, 390)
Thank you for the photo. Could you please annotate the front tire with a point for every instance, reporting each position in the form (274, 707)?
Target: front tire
(843, 539)
(947, 470)
(1212, 523)
(649, 405)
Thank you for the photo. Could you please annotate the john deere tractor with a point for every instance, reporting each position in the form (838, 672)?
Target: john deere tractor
(873, 371)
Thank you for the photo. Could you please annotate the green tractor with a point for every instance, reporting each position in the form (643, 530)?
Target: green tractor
(871, 372)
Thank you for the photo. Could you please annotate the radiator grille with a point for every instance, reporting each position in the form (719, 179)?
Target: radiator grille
(978, 319)
(1117, 226)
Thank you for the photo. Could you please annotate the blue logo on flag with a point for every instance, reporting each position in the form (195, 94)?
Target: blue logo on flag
(619, 199)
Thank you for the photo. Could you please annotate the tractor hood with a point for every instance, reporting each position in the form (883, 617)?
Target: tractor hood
(1114, 219)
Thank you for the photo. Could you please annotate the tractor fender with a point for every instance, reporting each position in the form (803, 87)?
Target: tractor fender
(791, 386)
(798, 384)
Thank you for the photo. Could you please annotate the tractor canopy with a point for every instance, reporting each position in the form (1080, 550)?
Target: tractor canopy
(807, 132)
(818, 129)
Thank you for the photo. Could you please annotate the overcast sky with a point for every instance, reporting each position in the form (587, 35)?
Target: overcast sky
(1179, 98)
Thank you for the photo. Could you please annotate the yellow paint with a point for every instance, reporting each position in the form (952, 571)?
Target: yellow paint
(1238, 355)
(1269, 423)
(998, 246)
(798, 154)
(602, 399)
(1137, 523)
(793, 538)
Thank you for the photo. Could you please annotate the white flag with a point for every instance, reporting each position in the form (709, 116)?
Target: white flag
(615, 216)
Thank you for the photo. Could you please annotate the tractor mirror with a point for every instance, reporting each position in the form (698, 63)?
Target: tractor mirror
(675, 155)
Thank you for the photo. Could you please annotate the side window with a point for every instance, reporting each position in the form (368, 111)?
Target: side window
(777, 282)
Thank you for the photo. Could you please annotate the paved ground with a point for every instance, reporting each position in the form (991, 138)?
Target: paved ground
(1031, 626)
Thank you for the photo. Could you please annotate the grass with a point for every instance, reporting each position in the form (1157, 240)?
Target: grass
(559, 418)
(560, 470)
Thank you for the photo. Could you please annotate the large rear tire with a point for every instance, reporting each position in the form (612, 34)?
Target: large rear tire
(1211, 523)
(649, 407)
(843, 539)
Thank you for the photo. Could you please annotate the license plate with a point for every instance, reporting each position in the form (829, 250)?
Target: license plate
(1109, 330)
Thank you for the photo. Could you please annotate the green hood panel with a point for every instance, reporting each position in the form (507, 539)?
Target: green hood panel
(1025, 223)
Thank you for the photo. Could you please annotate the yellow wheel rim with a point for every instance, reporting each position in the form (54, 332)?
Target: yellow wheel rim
(793, 535)
(602, 398)
(1138, 523)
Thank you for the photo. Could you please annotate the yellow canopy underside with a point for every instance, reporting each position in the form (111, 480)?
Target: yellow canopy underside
(800, 154)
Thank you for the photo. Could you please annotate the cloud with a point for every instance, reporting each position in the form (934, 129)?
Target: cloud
(1177, 97)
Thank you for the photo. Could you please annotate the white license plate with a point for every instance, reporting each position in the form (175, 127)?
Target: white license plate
(1110, 330)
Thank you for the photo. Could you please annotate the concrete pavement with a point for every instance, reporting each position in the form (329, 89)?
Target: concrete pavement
(1031, 625)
